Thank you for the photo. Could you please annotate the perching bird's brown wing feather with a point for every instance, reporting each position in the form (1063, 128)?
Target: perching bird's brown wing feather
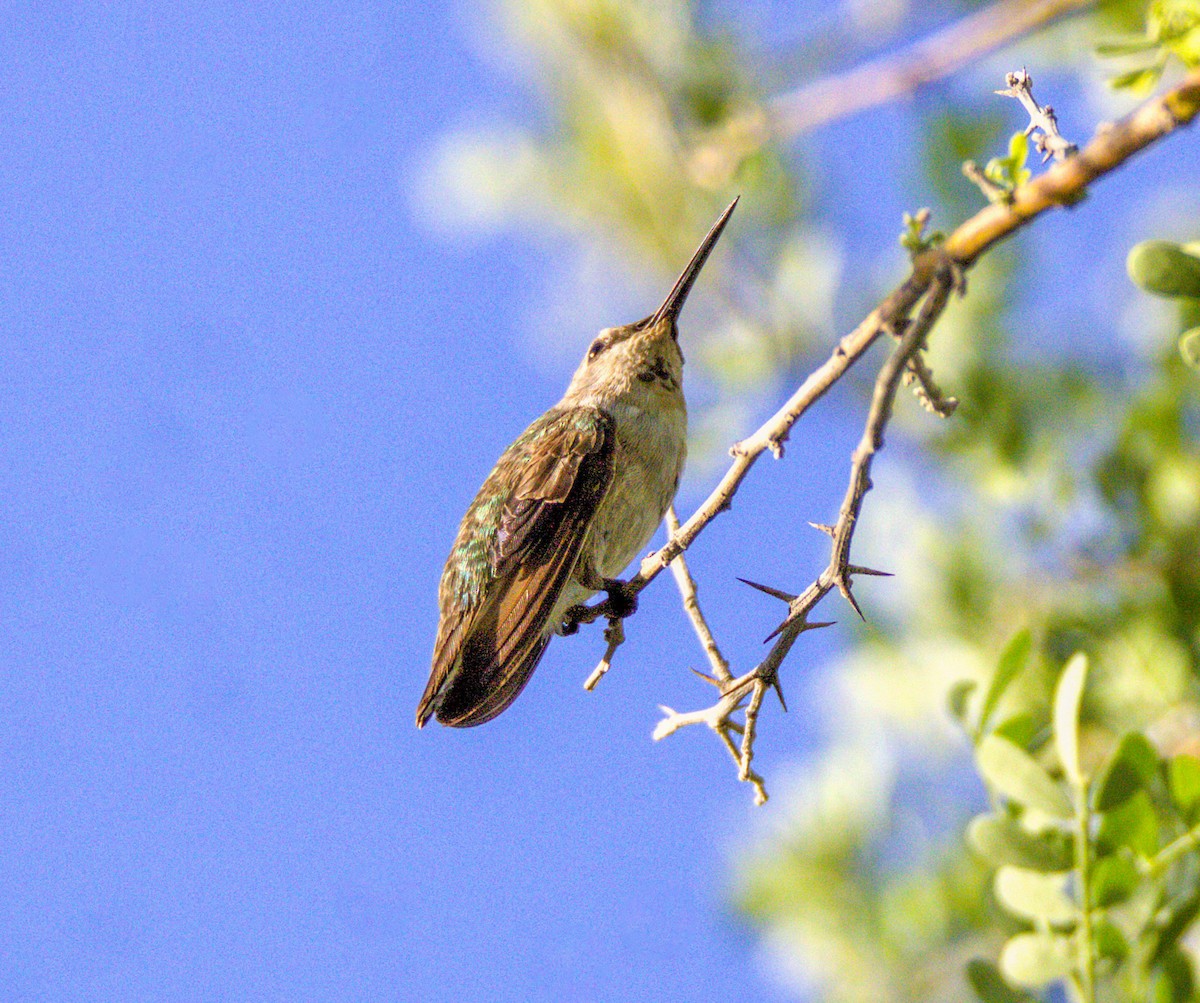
(514, 554)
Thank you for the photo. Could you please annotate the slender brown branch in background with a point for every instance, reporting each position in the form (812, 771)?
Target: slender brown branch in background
(872, 84)
(933, 58)
(935, 273)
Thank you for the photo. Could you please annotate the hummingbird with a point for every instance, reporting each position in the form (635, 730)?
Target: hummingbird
(566, 508)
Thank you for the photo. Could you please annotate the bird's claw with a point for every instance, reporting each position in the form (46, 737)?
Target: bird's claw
(622, 600)
(570, 623)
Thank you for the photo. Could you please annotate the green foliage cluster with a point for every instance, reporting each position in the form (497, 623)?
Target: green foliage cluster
(1172, 30)
(1090, 845)
(1010, 172)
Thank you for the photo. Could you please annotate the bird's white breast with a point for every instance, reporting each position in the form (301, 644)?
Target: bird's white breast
(651, 445)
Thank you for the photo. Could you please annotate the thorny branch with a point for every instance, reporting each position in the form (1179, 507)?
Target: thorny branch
(1043, 127)
(721, 676)
(935, 273)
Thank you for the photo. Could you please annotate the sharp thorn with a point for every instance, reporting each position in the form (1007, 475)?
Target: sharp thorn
(844, 589)
(827, 530)
(778, 691)
(855, 569)
(807, 626)
(712, 680)
(777, 593)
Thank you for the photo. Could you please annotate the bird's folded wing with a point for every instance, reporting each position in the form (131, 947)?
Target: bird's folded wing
(485, 653)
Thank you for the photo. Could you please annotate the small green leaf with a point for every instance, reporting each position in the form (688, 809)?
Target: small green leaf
(1010, 172)
(1139, 81)
(1019, 729)
(1113, 880)
(1173, 980)
(989, 984)
(1128, 46)
(1133, 824)
(1132, 766)
(914, 238)
(1110, 941)
(1036, 959)
(1001, 840)
(1189, 347)
(1016, 775)
(1067, 697)
(1164, 268)
(1018, 154)
(1012, 660)
(1035, 896)
(957, 698)
(1184, 777)
(1180, 915)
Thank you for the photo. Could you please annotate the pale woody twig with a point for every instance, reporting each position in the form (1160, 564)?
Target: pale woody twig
(991, 191)
(691, 605)
(721, 676)
(840, 571)
(1043, 125)
(614, 635)
(927, 391)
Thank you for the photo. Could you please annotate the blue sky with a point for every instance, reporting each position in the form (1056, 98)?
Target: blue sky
(246, 397)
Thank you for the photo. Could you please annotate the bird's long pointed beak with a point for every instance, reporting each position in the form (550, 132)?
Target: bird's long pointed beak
(683, 285)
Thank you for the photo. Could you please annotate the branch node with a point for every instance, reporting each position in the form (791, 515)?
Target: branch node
(614, 634)
(994, 193)
(771, 677)
(843, 586)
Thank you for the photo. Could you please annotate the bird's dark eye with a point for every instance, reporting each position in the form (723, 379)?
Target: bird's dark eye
(598, 346)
